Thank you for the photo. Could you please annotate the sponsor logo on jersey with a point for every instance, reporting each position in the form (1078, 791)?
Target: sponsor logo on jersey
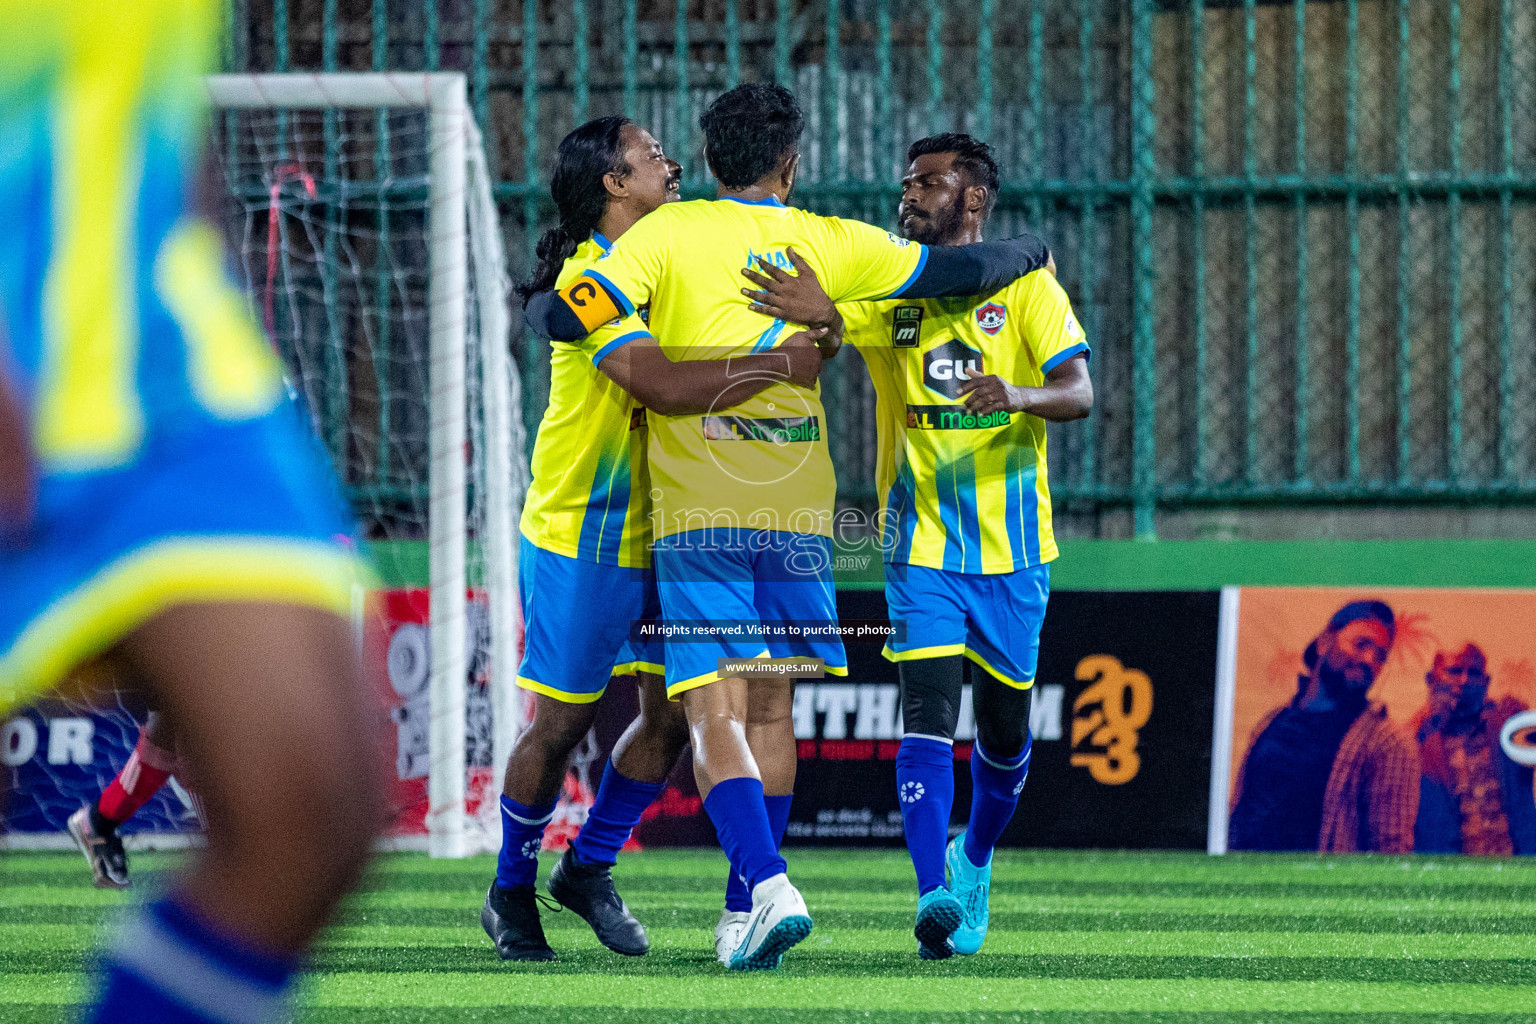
(991, 317)
(897, 239)
(778, 431)
(944, 367)
(906, 326)
(954, 417)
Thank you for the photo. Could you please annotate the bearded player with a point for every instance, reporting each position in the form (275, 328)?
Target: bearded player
(161, 504)
(964, 388)
(744, 495)
(585, 573)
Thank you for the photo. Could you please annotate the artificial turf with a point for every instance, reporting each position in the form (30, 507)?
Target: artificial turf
(1096, 938)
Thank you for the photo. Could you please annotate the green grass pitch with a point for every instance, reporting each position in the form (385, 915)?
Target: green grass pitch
(1098, 938)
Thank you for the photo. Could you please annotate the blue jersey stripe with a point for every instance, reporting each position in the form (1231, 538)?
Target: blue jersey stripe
(616, 344)
(26, 207)
(768, 338)
(1013, 513)
(1065, 354)
(901, 518)
(614, 516)
(623, 300)
(970, 521)
(598, 533)
(947, 489)
(164, 381)
(922, 261)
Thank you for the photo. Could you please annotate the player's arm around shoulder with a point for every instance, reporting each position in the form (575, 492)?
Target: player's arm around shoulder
(637, 364)
(1057, 345)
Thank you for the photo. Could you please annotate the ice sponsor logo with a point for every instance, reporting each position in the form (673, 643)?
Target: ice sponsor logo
(992, 317)
(1518, 738)
(944, 367)
(906, 326)
(783, 430)
(954, 417)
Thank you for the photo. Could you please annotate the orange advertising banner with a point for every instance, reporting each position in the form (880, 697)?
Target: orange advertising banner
(1388, 721)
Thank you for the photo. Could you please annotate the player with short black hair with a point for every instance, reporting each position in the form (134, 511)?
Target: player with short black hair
(972, 158)
(963, 391)
(748, 130)
(744, 495)
(585, 575)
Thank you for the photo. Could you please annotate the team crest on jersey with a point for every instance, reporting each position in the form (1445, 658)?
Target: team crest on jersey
(991, 317)
(906, 326)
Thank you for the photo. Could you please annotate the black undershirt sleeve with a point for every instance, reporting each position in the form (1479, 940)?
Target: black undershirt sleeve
(548, 317)
(978, 269)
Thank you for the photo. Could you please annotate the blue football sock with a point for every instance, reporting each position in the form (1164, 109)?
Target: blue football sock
(738, 897)
(169, 967)
(739, 812)
(995, 787)
(925, 787)
(615, 812)
(522, 833)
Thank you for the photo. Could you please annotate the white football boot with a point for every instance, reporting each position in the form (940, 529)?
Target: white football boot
(728, 933)
(779, 921)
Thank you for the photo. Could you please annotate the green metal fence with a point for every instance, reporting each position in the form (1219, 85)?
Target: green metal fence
(1301, 235)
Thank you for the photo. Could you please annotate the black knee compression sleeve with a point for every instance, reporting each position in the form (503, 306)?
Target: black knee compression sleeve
(930, 696)
(1002, 715)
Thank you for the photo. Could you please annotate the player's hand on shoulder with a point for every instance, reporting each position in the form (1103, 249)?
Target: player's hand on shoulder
(804, 356)
(987, 393)
(796, 298)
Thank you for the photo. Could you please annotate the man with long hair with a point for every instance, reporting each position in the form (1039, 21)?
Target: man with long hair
(585, 576)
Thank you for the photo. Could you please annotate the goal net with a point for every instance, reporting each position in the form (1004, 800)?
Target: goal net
(360, 212)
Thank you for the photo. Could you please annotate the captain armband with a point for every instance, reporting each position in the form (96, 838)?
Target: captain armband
(591, 303)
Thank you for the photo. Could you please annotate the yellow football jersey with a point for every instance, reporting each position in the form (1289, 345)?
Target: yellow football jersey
(962, 492)
(590, 496)
(762, 464)
(119, 322)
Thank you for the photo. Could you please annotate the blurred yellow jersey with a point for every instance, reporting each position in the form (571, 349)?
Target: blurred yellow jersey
(763, 464)
(590, 496)
(118, 320)
(961, 492)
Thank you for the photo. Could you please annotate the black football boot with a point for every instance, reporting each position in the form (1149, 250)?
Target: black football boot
(588, 890)
(511, 918)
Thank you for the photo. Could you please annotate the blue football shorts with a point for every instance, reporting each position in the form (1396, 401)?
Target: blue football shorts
(744, 594)
(993, 619)
(582, 624)
(224, 513)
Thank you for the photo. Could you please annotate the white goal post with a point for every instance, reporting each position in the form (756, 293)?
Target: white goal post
(464, 253)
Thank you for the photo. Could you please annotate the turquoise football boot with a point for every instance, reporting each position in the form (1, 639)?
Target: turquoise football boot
(938, 915)
(971, 886)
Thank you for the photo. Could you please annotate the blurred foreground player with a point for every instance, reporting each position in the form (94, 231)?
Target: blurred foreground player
(964, 388)
(585, 575)
(163, 505)
(744, 496)
(152, 764)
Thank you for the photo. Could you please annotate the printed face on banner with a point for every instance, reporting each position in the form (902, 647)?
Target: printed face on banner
(1389, 721)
